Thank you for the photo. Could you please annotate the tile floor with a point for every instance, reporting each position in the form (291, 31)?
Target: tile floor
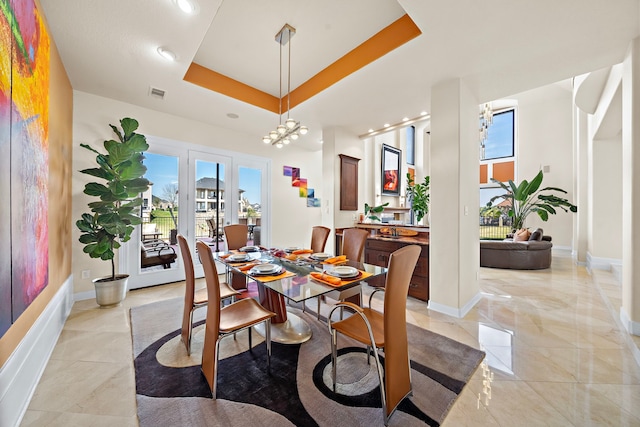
(555, 353)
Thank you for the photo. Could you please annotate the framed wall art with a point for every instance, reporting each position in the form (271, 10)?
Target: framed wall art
(390, 170)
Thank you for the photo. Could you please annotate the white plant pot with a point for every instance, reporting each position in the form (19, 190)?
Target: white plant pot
(110, 293)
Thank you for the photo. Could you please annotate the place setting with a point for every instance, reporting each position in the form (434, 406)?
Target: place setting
(268, 272)
(338, 276)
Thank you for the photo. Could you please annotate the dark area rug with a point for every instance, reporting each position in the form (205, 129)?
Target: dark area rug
(171, 389)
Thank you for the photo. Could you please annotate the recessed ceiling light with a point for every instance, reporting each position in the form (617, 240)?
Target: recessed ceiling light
(370, 130)
(404, 119)
(232, 115)
(424, 113)
(187, 6)
(166, 54)
(386, 125)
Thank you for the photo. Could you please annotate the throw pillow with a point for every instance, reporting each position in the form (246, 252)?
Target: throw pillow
(521, 235)
(536, 235)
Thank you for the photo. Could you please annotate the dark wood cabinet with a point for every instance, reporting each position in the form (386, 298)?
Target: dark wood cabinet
(377, 252)
(348, 183)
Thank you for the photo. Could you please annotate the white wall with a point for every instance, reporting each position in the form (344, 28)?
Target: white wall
(606, 200)
(545, 138)
(291, 219)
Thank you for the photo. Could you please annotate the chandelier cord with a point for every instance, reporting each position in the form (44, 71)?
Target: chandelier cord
(289, 78)
(280, 93)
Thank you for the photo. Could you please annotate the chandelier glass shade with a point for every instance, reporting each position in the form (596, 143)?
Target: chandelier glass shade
(486, 120)
(291, 129)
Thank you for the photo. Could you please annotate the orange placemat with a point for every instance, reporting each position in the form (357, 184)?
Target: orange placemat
(265, 279)
(336, 281)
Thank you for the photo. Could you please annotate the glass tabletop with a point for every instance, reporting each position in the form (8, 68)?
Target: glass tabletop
(301, 286)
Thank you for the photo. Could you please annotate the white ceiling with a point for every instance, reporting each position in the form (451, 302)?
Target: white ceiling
(498, 47)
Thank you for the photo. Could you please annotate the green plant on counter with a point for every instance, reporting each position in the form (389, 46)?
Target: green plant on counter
(418, 196)
(372, 211)
(527, 197)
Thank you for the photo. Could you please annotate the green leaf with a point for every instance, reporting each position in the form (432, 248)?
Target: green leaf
(128, 126)
(137, 143)
(89, 148)
(118, 153)
(95, 189)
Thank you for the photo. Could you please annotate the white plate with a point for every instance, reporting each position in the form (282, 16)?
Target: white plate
(291, 249)
(320, 256)
(249, 249)
(344, 271)
(266, 269)
(238, 257)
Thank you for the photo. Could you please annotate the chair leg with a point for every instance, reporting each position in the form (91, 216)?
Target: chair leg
(215, 370)
(267, 337)
(318, 312)
(250, 346)
(334, 356)
(383, 395)
(188, 343)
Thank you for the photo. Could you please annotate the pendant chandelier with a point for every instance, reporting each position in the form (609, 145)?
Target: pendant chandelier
(291, 129)
(486, 120)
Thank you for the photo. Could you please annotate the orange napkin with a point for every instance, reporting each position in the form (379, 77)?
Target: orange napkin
(302, 251)
(335, 259)
(291, 257)
(247, 266)
(326, 278)
(224, 256)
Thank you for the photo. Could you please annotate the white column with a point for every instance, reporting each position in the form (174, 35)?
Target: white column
(630, 311)
(454, 235)
(580, 186)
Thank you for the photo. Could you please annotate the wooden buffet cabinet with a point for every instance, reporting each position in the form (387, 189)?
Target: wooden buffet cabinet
(378, 248)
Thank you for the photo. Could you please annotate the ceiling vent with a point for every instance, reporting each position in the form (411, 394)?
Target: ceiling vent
(156, 93)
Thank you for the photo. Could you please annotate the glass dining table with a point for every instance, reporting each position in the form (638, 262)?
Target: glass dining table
(294, 282)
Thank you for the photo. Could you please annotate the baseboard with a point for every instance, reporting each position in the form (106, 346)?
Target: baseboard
(562, 251)
(600, 263)
(634, 329)
(19, 376)
(458, 313)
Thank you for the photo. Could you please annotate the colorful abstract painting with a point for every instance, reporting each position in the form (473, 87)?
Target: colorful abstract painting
(301, 183)
(24, 126)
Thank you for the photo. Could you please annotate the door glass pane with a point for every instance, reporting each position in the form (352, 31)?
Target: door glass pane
(158, 247)
(249, 201)
(210, 204)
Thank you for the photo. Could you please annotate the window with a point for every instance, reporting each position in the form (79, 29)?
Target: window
(411, 145)
(500, 142)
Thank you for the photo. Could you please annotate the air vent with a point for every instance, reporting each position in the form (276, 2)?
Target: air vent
(156, 93)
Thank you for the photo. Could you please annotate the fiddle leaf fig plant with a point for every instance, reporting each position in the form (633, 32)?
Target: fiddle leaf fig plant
(113, 217)
(418, 196)
(528, 197)
(372, 211)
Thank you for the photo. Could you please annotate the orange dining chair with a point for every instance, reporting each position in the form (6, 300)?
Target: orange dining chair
(195, 299)
(236, 237)
(386, 330)
(353, 241)
(220, 322)
(319, 236)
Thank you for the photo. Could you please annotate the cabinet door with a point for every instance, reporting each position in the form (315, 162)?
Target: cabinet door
(348, 183)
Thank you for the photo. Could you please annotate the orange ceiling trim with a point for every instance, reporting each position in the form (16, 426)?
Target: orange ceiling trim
(389, 38)
(212, 80)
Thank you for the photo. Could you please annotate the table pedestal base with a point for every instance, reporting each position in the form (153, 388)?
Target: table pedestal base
(294, 330)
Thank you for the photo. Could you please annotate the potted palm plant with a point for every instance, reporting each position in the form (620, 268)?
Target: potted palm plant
(418, 196)
(114, 215)
(528, 197)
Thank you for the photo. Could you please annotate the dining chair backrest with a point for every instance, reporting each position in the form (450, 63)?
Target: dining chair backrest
(236, 235)
(353, 240)
(213, 289)
(402, 262)
(189, 276)
(319, 236)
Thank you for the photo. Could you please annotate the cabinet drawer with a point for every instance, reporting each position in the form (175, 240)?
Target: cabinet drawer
(382, 245)
(419, 288)
(379, 258)
(422, 267)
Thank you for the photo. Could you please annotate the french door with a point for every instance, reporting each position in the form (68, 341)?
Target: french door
(195, 191)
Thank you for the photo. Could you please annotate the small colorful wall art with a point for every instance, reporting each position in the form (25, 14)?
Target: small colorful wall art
(24, 157)
(301, 183)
